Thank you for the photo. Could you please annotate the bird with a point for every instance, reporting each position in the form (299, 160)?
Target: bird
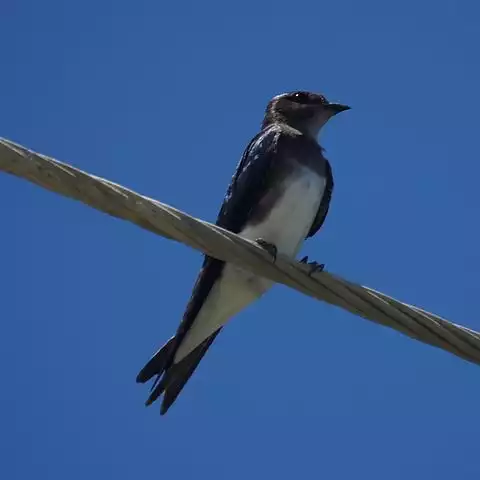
(278, 197)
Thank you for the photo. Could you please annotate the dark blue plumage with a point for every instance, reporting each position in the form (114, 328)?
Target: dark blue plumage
(281, 190)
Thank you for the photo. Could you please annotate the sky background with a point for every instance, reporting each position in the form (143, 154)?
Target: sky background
(162, 97)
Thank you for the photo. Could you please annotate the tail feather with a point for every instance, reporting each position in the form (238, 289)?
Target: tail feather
(171, 377)
(158, 363)
(181, 372)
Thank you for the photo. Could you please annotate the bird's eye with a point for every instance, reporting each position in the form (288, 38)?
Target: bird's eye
(301, 97)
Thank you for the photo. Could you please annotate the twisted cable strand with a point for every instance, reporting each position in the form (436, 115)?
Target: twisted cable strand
(212, 240)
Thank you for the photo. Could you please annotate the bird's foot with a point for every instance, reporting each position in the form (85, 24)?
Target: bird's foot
(268, 247)
(315, 267)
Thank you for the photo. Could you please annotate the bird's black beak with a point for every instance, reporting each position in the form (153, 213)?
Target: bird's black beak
(337, 108)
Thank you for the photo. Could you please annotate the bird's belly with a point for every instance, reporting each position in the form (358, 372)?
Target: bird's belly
(291, 218)
(286, 226)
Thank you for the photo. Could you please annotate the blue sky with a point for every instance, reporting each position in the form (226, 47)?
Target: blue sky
(162, 98)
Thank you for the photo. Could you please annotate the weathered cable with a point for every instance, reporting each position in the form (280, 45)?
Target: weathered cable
(174, 224)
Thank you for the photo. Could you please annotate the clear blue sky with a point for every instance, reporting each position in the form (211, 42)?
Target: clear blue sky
(163, 98)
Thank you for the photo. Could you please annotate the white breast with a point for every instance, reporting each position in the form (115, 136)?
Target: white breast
(289, 222)
(286, 226)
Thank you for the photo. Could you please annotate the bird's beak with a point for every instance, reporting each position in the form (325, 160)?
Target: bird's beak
(337, 108)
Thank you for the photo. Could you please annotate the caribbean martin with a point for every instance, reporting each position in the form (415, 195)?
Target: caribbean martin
(278, 196)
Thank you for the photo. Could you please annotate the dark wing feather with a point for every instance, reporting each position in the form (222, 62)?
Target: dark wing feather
(248, 183)
(325, 203)
(243, 194)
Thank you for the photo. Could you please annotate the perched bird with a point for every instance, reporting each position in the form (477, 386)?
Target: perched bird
(278, 196)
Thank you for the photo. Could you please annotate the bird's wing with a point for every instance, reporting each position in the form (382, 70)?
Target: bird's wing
(249, 181)
(243, 194)
(245, 190)
(325, 203)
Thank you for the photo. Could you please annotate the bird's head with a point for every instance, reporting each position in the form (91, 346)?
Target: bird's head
(304, 111)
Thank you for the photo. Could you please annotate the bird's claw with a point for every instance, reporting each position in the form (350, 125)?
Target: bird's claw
(268, 247)
(315, 267)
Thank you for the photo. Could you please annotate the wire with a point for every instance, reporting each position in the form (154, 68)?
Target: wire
(174, 224)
